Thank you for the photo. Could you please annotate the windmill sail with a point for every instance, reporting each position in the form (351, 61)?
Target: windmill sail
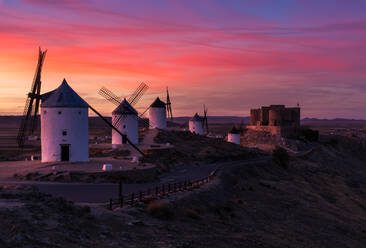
(168, 105)
(30, 115)
(205, 122)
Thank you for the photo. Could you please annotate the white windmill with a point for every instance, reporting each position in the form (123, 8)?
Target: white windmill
(125, 118)
(234, 136)
(127, 125)
(64, 126)
(157, 114)
(196, 125)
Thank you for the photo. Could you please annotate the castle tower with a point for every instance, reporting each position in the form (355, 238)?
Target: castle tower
(196, 125)
(64, 126)
(157, 115)
(124, 117)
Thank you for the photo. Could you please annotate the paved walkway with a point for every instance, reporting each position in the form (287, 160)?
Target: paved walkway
(101, 193)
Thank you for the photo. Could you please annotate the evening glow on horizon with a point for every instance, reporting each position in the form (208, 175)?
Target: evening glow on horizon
(230, 55)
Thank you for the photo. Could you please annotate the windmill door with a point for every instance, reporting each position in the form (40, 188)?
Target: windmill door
(65, 152)
(124, 139)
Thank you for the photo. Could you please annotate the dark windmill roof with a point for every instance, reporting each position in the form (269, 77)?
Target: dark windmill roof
(124, 109)
(45, 96)
(64, 96)
(234, 130)
(196, 117)
(158, 103)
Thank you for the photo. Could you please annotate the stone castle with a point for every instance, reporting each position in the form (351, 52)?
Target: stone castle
(276, 119)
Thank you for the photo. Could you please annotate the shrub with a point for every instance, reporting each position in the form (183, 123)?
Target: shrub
(310, 135)
(192, 213)
(160, 210)
(85, 209)
(147, 199)
(333, 142)
(281, 156)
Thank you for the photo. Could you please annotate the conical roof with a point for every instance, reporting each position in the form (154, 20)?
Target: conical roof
(64, 96)
(45, 96)
(196, 117)
(158, 103)
(234, 130)
(124, 109)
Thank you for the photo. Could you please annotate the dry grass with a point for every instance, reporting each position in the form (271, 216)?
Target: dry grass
(190, 149)
(160, 210)
(192, 213)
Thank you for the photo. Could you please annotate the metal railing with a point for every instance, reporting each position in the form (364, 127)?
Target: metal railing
(159, 191)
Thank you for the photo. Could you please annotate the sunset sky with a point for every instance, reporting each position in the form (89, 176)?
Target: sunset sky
(231, 55)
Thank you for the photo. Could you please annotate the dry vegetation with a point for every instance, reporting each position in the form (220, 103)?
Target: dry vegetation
(38, 220)
(125, 176)
(191, 149)
(315, 201)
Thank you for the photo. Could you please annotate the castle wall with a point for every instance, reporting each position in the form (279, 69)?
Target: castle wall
(276, 119)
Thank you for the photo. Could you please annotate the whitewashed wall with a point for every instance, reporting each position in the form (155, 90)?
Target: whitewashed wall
(129, 126)
(157, 118)
(234, 138)
(196, 127)
(72, 120)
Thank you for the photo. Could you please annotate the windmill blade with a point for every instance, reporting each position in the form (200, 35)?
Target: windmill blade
(36, 108)
(168, 105)
(117, 121)
(143, 113)
(137, 94)
(29, 120)
(205, 122)
(24, 123)
(139, 117)
(110, 96)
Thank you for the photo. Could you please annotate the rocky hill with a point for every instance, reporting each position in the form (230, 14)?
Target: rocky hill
(317, 201)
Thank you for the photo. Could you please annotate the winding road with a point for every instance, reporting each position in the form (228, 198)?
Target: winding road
(102, 192)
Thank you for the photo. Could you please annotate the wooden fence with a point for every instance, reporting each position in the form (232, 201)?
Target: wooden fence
(158, 191)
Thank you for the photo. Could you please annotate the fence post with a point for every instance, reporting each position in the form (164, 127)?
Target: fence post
(169, 188)
(148, 192)
(132, 198)
(121, 202)
(120, 188)
(163, 189)
(175, 187)
(110, 204)
(156, 190)
(140, 196)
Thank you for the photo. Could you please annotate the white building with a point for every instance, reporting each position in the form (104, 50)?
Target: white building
(157, 115)
(64, 126)
(127, 124)
(234, 136)
(196, 125)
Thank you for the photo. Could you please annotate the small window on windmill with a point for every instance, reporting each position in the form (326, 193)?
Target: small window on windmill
(45, 112)
(64, 133)
(79, 112)
(124, 126)
(59, 112)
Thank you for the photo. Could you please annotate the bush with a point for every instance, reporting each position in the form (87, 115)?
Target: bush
(281, 156)
(160, 210)
(192, 213)
(310, 135)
